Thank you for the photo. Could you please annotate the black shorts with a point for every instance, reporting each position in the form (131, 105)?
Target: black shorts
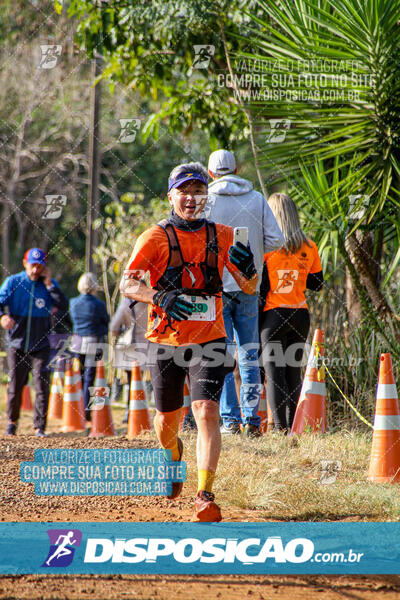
(205, 364)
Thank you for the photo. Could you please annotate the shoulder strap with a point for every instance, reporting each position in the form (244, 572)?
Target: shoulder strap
(175, 253)
(212, 245)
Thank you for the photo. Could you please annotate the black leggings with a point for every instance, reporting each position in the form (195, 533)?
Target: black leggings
(283, 333)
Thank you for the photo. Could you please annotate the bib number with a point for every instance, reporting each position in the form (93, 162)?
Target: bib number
(204, 308)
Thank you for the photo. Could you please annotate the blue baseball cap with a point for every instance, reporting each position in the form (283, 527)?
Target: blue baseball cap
(178, 180)
(35, 256)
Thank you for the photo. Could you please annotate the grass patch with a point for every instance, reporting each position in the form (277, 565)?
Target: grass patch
(280, 477)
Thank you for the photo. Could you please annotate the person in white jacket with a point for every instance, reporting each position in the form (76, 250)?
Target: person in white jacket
(233, 201)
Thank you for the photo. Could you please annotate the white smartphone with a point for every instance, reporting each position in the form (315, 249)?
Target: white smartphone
(241, 234)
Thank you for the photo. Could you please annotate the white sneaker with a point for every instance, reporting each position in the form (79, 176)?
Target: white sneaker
(231, 429)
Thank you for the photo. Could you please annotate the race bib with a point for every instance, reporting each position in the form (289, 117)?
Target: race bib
(204, 308)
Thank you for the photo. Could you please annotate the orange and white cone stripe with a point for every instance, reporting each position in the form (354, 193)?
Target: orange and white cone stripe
(56, 391)
(73, 413)
(311, 409)
(102, 423)
(385, 451)
(138, 420)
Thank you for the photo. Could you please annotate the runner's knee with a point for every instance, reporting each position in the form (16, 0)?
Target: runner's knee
(206, 411)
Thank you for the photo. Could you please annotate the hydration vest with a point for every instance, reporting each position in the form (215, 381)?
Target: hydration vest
(178, 269)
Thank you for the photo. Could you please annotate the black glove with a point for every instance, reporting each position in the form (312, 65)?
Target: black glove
(242, 257)
(175, 307)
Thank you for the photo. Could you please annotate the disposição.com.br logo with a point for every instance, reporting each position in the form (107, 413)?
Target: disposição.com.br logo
(62, 547)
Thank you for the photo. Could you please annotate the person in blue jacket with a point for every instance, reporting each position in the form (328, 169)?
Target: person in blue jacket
(27, 301)
(90, 320)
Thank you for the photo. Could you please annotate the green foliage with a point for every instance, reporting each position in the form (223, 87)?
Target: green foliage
(125, 220)
(149, 46)
(332, 71)
(48, 116)
(344, 57)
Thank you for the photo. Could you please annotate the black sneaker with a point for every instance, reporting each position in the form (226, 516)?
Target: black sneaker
(252, 431)
(231, 429)
(177, 485)
(11, 429)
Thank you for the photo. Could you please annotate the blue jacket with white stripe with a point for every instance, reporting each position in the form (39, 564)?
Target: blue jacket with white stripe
(30, 304)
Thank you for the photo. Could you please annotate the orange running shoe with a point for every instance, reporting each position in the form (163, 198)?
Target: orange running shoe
(177, 485)
(205, 509)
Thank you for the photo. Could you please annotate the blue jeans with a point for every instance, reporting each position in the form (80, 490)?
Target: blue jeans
(242, 320)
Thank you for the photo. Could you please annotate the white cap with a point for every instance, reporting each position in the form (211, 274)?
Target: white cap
(222, 162)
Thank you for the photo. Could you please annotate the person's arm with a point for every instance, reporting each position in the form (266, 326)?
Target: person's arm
(265, 285)
(315, 281)
(131, 287)
(146, 257)
(273, 238)
(58, 298)
(315, 278)
(6, 321)
(241, 265)
(248, 286)
(171, 302)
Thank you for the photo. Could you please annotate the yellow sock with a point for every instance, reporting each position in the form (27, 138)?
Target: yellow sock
(206, 480)
(174, 450)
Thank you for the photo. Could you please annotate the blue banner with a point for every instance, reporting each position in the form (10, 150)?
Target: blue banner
(201, 548)
(102, 472)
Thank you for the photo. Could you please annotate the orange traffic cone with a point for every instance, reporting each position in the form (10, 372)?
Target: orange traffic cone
(138, 419)
(73, 409)
(311, 409)
(384, 465)
(186, 405)
(26, 403)
(102, 423)
(262, 411)
(56, 391)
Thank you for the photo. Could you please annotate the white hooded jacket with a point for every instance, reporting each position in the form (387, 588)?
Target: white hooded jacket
(233, 201)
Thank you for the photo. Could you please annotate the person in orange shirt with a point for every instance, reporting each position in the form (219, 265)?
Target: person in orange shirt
(185, 256)
(285, 322)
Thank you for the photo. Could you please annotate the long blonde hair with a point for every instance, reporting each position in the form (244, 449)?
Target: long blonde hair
(287, 217)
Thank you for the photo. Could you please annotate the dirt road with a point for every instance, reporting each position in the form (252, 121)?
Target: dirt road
(19, 503)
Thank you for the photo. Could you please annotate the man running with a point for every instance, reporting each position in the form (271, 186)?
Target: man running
(185, 256)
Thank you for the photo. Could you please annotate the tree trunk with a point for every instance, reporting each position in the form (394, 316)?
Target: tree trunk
(360, 247)
(245, 110)
(378, 319)
(5, 238)
(353, 304)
